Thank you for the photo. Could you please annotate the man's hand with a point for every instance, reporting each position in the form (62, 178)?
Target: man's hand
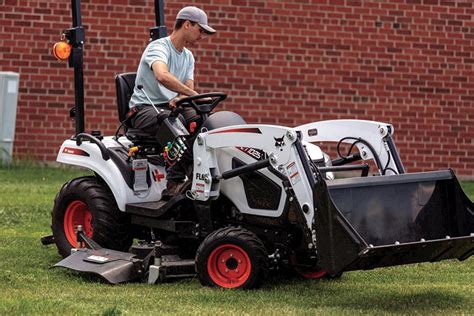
(172, 103)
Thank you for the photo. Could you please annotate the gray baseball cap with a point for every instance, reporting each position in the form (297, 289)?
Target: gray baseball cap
(197, 15)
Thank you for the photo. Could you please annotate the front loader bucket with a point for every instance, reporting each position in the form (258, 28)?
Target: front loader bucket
(365, 223)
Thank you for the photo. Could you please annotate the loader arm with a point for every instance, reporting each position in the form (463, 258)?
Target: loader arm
(375, 140)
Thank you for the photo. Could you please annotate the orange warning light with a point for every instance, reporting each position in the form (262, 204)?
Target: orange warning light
(62, 50)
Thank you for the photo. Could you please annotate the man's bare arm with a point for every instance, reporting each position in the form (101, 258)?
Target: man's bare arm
(167, 79)
(188, 83)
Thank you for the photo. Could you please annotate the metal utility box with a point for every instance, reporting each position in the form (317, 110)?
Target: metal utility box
(9, 82)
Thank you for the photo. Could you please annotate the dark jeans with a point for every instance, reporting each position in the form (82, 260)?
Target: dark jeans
(149, 121)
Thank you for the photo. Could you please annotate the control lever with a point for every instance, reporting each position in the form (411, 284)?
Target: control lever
(140, 87)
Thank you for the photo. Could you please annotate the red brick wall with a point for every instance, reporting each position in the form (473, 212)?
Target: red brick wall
(407, 62)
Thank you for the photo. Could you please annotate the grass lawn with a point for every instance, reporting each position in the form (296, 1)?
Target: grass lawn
(28, 286)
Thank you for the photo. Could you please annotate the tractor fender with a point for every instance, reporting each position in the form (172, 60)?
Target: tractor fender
(89, 156)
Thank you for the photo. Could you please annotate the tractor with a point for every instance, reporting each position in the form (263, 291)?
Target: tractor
(261, 198)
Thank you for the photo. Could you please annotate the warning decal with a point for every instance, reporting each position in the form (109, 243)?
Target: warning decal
(293, 173)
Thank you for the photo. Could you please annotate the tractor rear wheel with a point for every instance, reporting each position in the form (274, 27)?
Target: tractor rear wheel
(232, 257)
(88, 202)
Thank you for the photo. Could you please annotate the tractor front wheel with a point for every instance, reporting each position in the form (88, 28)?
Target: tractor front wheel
(232, 257)
(88, 202)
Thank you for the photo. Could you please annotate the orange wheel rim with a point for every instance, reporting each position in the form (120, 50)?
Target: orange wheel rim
(229, 266)
(77, 213)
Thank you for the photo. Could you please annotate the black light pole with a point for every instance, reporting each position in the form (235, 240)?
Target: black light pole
(159, 30)
(76, 37)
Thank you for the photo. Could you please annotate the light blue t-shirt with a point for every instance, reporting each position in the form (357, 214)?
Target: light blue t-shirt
(180, 64)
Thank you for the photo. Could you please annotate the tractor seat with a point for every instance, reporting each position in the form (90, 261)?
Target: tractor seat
(124, 84)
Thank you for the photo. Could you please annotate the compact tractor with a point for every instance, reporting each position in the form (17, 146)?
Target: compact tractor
(261, 198)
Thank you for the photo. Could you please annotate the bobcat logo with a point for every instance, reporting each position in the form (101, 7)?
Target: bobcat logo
(279, 142)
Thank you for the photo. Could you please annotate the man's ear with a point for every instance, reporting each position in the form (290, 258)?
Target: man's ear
(187, 25)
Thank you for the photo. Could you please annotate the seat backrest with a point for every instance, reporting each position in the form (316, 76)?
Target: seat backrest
(124, 84)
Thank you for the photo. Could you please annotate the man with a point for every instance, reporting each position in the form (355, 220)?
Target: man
(166, 72)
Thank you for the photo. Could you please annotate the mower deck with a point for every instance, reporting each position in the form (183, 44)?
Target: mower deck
(149, 263)
(113, 266)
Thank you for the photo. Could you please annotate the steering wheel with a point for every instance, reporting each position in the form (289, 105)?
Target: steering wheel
(203, 106)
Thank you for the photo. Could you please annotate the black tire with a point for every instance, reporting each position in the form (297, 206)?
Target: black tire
(224, 252)
(88, 202)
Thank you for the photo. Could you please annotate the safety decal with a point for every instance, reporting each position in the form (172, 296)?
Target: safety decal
(75, 151)
(293, 173)
(239, 130)
(200, 187)
(139, 165)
